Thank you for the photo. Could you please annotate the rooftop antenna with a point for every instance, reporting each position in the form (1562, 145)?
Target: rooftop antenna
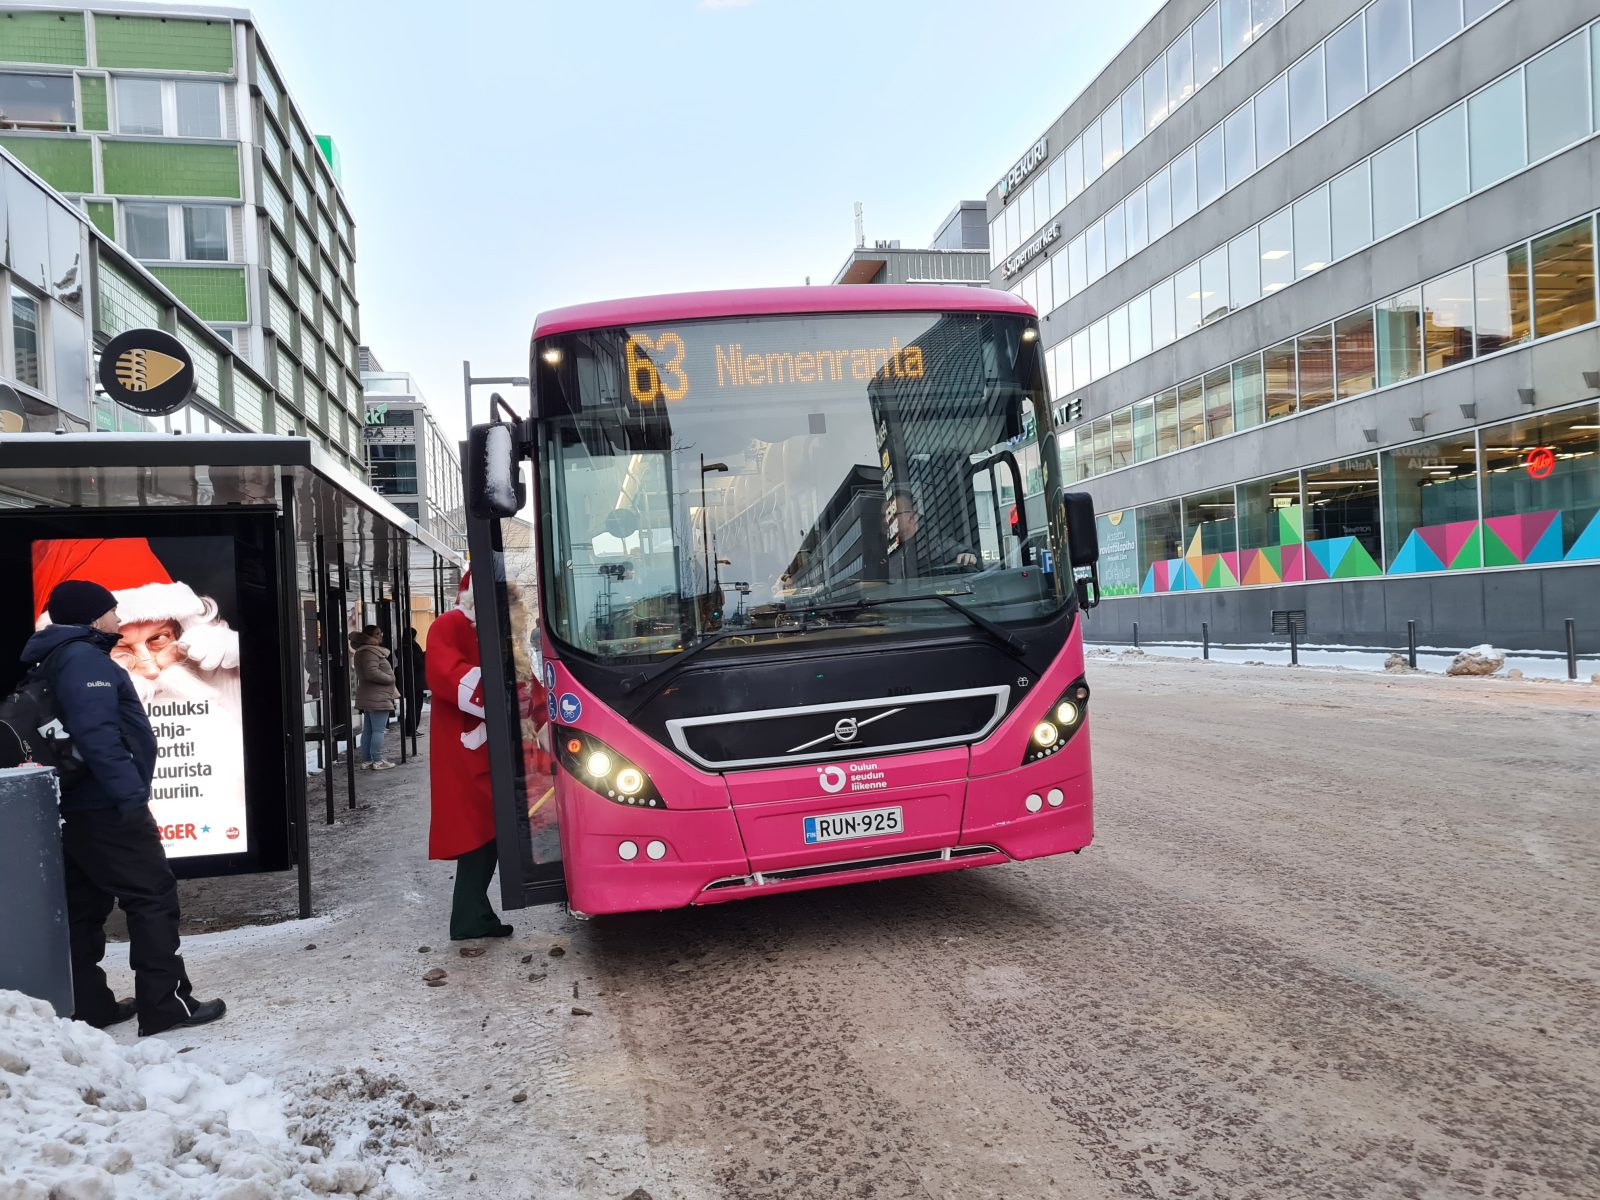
(861, 236)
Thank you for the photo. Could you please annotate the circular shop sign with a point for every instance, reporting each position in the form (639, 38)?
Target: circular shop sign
(147, 370)
(1541, 462)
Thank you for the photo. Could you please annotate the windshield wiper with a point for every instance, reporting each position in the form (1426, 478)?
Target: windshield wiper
(998, 632)
(675, 663)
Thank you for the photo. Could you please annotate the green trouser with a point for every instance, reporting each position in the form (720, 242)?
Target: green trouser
(471, 914)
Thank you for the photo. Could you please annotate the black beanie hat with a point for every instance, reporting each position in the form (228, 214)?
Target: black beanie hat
(79, 602)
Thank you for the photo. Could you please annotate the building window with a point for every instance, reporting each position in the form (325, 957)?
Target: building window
(1346, 67)
(1430, 506)
(1155, 95)
(26, 365)
(205, 233)
(1495, 126)
(1282, 380)
(1558, 98)
(1316, 367)
(1350, 200)
(1442, 160)
(1541, 489)
(1207, 47)
(1563, 273)
(1308, 106)
(1248, 410)
(43, 102)
(1210, 539)
(1214, 294)
(1270, 531)
(1210, 166)
(1185, 197)
(1342, 515)
(171, 108)
(1236, 28)
(1144, 430)
(1388, 41)
(1353, 347)
(1190, 300)
(1158, 201)
(146, 231)
(1272, 120)
(1219, 402)
(1167, 421)
(1180, 70)
(1313, 247)
(1160, 528)
(1394, 187)
(1191, 413)
(1503, 312)
(1433, 22)
(1239, 141)
(1399, 330)
(1447, 320)
(1244, 269)
(198, 108)
(1277, 252)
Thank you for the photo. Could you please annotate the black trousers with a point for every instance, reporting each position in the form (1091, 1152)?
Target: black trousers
(114, 856)
(471, 914)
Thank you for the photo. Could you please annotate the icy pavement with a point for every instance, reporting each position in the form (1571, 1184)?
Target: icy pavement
(1431, 659)
(84, 1118)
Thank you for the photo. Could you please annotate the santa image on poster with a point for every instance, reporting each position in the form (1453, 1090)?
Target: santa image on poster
(183, 659)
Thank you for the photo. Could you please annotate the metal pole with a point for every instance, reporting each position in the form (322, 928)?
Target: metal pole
(1411, 644)
(1294, 646)
(344, 660)
(1205, 640)
(1136, 635)
(402, 656)
(295, 736)
(325, 705)
(466, 390)
(1572, 649)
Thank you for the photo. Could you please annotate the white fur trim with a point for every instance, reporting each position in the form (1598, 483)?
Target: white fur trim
(465, 687)
(163, 602)
(476, 736)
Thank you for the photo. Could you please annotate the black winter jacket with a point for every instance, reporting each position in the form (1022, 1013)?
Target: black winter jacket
(102, 713)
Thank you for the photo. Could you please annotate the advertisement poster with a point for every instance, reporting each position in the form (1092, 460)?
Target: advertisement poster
(1119, 553)
(178, 608)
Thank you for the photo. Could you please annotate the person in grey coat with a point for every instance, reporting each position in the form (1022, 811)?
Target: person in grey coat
(375, 694)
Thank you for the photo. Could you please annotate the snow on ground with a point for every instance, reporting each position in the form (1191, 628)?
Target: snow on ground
(84, 1118)
(1356, 658)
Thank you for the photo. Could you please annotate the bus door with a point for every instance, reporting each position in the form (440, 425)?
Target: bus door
(517, 709)
(995, 484)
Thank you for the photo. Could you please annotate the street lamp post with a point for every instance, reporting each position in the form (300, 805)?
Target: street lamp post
(468, 380)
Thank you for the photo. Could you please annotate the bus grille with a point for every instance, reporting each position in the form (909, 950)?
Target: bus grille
(811, 871)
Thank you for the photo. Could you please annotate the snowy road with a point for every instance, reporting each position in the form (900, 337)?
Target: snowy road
(1335, 939)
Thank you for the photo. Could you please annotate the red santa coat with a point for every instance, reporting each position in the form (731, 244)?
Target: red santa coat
(458, 770)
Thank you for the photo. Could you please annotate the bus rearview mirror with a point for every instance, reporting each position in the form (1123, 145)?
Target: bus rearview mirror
(1083, 538)
(495, 486)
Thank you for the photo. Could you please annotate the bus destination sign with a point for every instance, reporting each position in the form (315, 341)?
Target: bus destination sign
(657, 369)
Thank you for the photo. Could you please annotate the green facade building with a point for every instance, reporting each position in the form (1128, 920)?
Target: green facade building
(171, 127)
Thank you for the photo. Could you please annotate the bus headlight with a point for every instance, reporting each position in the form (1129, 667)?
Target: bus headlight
(601, 769)
(1065, 718)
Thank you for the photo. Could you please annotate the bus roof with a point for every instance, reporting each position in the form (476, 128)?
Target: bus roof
(842, 298)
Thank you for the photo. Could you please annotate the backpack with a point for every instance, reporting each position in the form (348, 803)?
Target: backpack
(31, 730)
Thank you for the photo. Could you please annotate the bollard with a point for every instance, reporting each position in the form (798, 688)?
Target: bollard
(1136, 635)
(1411, 644)
(1294, 646)
(1205, 640)
(1572, 649)
(34, 953)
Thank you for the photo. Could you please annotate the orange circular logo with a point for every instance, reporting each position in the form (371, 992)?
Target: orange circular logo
(1541, 462)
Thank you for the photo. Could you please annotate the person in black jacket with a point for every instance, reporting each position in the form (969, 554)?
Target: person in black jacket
(110, 840)
(413, 678)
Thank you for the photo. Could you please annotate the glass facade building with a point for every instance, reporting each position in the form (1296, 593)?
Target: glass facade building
(170, 127)
(1317, 286)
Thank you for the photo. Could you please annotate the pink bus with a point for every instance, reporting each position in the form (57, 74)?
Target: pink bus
(794, 600)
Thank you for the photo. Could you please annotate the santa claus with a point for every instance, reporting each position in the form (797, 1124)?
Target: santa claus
(183, 660)
(458, 771)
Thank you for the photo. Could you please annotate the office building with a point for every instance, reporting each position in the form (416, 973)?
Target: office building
(413, 465)
(1317, 285)
(957, 254)
(171, 127)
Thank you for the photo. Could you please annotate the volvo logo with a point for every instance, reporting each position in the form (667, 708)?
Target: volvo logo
(846, 729)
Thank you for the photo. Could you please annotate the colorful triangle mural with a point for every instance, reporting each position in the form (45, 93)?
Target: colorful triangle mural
(1414, 555)
(1291, 524)
(1588, 543)
(1470, 553)
(1547, 547)
(1355, 562)
(1323, 555)
(1523, 538)
(1292, 564)
(1148, 587)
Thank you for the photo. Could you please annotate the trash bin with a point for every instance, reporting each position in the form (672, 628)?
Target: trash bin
(35, 956)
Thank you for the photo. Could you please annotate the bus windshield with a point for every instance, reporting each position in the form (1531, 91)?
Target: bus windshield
(835, 477)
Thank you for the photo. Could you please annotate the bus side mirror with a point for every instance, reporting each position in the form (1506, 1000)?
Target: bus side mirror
(1083, 537)
(495, 487)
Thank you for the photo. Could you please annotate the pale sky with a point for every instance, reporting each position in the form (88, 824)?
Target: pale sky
(503, 157)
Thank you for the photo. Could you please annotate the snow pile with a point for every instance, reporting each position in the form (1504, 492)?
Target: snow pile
(83, 1118)
(1480, 660)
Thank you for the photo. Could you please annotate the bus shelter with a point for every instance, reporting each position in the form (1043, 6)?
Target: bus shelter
(263, 555)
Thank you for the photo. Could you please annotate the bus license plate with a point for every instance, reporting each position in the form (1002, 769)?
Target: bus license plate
(838, 827)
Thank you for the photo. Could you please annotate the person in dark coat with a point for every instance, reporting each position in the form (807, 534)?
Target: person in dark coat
(109, 838)
(413, 679)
